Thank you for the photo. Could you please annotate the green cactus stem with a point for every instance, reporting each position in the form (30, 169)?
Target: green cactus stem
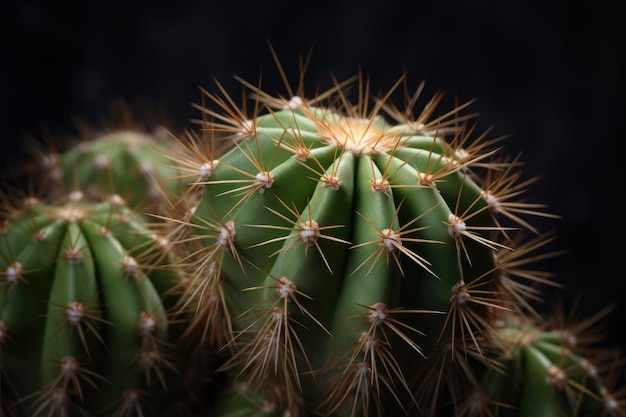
(83, 309)
(338, 244)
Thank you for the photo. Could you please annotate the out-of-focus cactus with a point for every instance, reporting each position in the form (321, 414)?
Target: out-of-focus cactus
(83, 310)
(339, 244)
(546, 370)
(129, 163)
(126, 156)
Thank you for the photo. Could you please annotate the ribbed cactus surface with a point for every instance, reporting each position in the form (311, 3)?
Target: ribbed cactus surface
(340, 243)
(82, 310)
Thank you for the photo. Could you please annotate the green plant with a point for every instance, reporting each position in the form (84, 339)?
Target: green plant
(548, 369)
(339, 248)
(125, 156)
(125, 162)
(83, 300)
(322, 256)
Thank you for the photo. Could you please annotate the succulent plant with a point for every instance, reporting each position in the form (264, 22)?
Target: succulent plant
(337, 245)
(315, 256)
(547, 370)
(126, 156)
(129, 163)
(83, 301)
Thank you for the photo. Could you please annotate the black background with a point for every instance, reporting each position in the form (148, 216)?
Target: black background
(549, 73)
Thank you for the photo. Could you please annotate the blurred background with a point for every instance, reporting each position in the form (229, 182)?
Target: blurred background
(548, 73)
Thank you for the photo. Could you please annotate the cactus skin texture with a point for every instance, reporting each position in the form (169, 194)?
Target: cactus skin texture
(83, 310)
(340, 244)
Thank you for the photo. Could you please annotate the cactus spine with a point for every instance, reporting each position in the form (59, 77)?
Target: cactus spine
(126, 156)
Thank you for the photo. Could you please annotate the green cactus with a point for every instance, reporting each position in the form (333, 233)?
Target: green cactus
(331, 258)
(126, 155)
(127, 162)
(546, 370)
(339, 244)
(83, 301)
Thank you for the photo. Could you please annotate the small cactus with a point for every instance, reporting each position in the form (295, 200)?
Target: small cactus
(339, 244)
(549, 371)
(124, 162)
(83, 323)
(126, 156)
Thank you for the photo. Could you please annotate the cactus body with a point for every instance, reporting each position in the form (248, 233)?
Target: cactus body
(344, 259)
(546, 373)
(341, 248)
(84, 326)
(124, 162)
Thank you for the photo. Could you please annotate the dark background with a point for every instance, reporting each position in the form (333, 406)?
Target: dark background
(549, 73)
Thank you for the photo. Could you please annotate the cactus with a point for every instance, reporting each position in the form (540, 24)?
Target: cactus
(124, 157)
(331, 258)
(338, 245)
(124, 162)
(83, 301)
(547, 370)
